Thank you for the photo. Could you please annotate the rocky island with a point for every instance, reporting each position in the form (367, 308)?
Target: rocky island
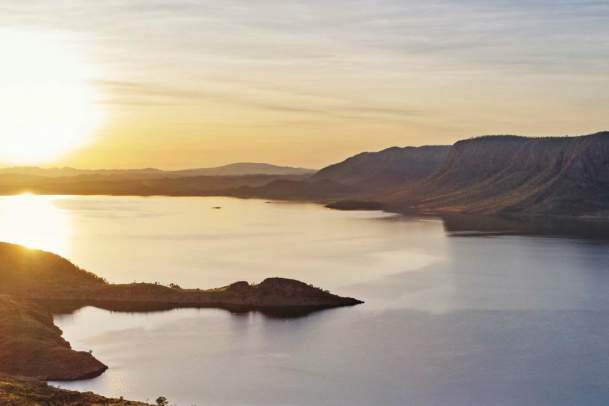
(35, 283)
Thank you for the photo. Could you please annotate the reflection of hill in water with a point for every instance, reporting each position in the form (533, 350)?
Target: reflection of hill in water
(66, 307)
(469, 225)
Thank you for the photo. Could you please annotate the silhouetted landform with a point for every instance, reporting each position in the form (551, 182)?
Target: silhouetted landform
(246, 168)
(31, 345)
(489, 175)
(235, 169)
(566, 176)
(383, 170)
(20, 391)
(42, 276)
(512, 176)
(134, 185)
(296, 189)
(356, 205)
(34, 282)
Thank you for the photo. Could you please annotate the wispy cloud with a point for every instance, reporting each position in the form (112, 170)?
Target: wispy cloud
(146, 94)
(442, 68)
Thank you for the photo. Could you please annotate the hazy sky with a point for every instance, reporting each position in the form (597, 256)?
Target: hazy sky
(308, 82)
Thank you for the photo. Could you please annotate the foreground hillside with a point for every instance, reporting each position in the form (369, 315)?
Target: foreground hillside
(19, 391)
(44, 277)
(33, 282)
(31, 345)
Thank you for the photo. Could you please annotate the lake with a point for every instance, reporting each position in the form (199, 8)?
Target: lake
(448, 319)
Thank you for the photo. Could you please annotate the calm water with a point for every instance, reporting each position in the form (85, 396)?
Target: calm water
(447, 321)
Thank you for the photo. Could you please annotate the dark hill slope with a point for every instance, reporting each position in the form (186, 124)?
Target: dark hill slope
(387, 168)
(33, 282)
(44, 277)
(19, 391)
(24, 270)
(31, 345)
(518, 175)
(140, 186)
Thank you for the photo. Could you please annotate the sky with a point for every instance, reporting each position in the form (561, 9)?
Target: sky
(192, 83)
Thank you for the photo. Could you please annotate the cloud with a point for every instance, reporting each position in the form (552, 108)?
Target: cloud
(124, 93)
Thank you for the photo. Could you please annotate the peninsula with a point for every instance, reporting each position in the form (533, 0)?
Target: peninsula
(35, 283)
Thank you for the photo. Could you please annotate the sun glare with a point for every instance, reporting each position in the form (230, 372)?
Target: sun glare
(35, 222)
(47, 103)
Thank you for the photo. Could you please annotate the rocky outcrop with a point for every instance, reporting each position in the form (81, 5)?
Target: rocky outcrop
(31, 345)
(282, 292)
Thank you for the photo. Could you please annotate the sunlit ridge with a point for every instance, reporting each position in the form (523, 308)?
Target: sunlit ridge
(35, 222)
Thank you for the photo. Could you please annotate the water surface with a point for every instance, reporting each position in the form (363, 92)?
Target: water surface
(488, 320)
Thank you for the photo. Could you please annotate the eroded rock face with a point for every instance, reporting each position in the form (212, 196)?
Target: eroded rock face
(564, 176)
(31, 345)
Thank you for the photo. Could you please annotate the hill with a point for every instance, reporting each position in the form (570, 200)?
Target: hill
(245, 168)
(392, 167)
(33, 283)
(19, 391)
(234, 169)
(139, 186)
(31, 345)
(562, 176)
(43, 277)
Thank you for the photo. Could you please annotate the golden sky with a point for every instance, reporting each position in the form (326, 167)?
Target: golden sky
(177, 83)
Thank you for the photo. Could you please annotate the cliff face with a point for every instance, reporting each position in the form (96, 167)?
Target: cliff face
(386, 169)
(508, 174)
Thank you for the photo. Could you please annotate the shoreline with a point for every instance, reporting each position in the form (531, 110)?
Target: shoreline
(36, 284)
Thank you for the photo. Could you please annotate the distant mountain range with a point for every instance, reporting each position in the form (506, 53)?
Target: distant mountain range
(235, 169)
(489, 175)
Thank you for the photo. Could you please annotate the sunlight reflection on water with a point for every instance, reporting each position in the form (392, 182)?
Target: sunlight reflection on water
(36, 222)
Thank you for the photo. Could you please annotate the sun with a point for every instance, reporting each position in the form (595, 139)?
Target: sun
(47, 103)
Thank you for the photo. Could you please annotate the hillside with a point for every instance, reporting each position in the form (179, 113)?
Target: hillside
(245, 168)
(34, 283)
(392, 167)
(489, 175)
(31, 345)
(48, 278)
(24, 271)
(19, 391)
(140, 186)
(566, 176)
